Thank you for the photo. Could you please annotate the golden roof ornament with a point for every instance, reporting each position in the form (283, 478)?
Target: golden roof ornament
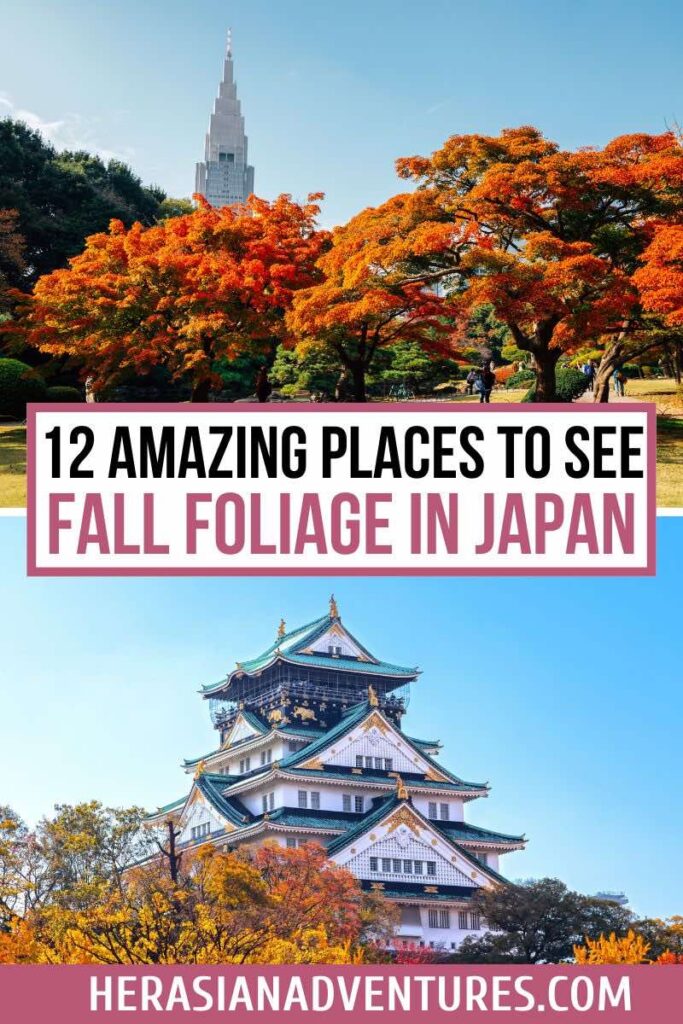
(281, 630)
(401, 788)
(200, 769)
(372, 697)
(334, 610)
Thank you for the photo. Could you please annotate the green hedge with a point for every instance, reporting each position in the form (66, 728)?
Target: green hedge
(64, 394)
(570, 384)
(520, 379)
(19, 384)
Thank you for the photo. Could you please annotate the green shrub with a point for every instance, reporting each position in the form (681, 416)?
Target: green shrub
(63, 394)
(520, 379)
(19, 384)
(569, 385)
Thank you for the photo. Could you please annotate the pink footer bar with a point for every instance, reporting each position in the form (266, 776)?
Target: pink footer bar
(81, 994)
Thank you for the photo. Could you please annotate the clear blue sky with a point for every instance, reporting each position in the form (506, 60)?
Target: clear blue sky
(334, 92)
(563, 693)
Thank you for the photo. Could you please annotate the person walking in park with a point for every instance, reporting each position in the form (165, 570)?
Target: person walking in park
(588, 369)
(488, 379)
(619, 378)
(471, 380)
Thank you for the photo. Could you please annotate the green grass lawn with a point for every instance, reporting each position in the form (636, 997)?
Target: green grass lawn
(669, 462)
(12, 465)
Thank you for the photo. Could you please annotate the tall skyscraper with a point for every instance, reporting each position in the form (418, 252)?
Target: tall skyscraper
(225, 177)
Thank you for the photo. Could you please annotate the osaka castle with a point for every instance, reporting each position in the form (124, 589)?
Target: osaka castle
(224, 177)
(312, 748)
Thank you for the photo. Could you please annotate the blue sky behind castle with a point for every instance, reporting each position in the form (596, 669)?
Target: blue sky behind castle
(563, 693)
(333, 93)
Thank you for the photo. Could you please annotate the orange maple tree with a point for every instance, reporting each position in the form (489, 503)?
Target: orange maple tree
(660, 278)
(364, 303)
(549, 238)
(191, 290)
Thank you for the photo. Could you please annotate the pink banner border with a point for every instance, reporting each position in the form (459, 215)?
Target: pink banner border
(306, 408)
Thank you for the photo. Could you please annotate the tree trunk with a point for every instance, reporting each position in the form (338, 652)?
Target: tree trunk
(358, 382)
(201, 390)
(608, 364)
(546, 361)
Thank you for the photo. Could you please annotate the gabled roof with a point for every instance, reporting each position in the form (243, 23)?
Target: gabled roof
(212, 787)
(295, 647)
(383, 808)
(353, 717)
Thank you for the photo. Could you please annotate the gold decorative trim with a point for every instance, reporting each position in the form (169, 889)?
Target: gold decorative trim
(403, 816)
(431, 888)
(305, 714)
(374, 721)
(315, 764)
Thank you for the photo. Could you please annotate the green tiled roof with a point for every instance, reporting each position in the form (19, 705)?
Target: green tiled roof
(169, 807)
(416, 890)
(290, 646)
(381, 810)
(349, 720)
(389, 781)
(294, 817)
(459, 830)
(211, 786)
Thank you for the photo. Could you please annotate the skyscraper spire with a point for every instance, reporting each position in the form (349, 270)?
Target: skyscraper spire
(224, 177)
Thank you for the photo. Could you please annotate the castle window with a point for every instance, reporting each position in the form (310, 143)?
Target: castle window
(462, 920)
(266, 756)
(445, 812)
(291, 843)
(475, 922)
(197, 831)
(433, 918)
(444, 919)
(378, 764)
(374, 864)
(368, 762)
(359, 761)
(303, 798)
(418, 867)
(433, 811)
(388, 764)
(358, 804)
(408, 867)
(346, 801)
(245, 765)
(397, 866)
(334, 649)
(315, 801)
(386, 865)
(431, 867)
(268, 800)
